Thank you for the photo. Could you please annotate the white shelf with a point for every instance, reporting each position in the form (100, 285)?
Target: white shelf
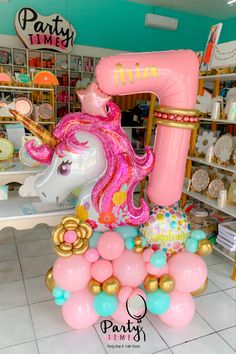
(229, 168)
(17, 167)
(221, 77)
(224, 252)
(21, 88)
(218, 121)
(229, 209)
(136, 127)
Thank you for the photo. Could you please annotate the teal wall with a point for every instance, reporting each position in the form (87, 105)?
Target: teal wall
(119, 24)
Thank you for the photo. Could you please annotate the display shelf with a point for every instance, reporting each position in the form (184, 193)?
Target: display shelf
(229, 209)
(22, 88)
(229, 168)
(12, 215)
(220, 77)
(15, 122)
(224, 252)
(218, 121)
(15, 171)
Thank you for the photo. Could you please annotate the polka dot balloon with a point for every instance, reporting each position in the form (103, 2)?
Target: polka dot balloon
(167, 229)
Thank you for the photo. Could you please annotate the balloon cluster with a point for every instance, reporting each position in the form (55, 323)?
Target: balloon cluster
(119, 266)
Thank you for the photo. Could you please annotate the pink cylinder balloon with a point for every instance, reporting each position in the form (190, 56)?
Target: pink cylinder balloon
(72, 273)
(78, 310)
(129, 268)
(181, 310)
(173, 77)
(188, 270)
(110, 245)
(102, 270)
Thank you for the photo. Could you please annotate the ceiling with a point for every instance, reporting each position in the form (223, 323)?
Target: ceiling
(210, 8)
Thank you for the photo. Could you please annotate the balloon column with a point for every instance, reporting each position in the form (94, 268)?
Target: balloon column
(104, 260)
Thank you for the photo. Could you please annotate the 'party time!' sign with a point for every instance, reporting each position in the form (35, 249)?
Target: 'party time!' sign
(52, 32)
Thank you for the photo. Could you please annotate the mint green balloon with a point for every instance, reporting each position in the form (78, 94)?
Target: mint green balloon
(191, 245)
(158, 259)
(198, 234)
(158, 302)
(59, 301)
(105, 305)
(57, 292)
(94, 239)
(127, 231)
(129, 243)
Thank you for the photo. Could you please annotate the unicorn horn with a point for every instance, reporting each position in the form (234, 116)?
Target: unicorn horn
(36, 129)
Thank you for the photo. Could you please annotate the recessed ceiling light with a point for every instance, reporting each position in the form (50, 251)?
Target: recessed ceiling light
(230, 2)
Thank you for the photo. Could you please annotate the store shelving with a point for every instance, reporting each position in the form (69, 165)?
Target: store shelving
(218, 121)
(219, 77)
(230, 167)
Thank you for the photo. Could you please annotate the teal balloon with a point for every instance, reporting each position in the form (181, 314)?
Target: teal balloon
(66, 294)
(127, 231)
(158, 302)
(105, 305)
(129, 243)
(59, 301)
(158, 259)
(144, 242)
(191, 245)
(57, 292)
(94, 239)
(198, 235)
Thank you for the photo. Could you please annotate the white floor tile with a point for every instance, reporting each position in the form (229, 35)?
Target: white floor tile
(9, 271)
(212, 344)
(212, 288)
(153, 342)
(8, 252)
(217, 309)
(36, 290)
(7, 236)
(12, 294)
(214, 259)
(36, 266)
(74, 342)
(173, 336)
(166, 351)
(40, 232)
(229, 336)
(35, 248)
(26, 348)
(220, 274)
(47, 319)
(15, 326)
(231, 293)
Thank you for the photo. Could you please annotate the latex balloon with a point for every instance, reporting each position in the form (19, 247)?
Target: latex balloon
(201, 290)
(127, 231)
(110, 245)
(78, 311)
(149, 72)
(49, 280)
(205, 248)
(102, 270)
(93, 100)
(105, 305)
(181, 310)
(166, 283)
(111, 286)
(188, 270)
(158, 302)
(94, 287)
(151, 283)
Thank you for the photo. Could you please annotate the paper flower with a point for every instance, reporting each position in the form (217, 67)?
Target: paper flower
(204, 141)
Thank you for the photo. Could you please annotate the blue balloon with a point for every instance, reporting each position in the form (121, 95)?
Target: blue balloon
(191, 245)
(129, 243)
(158, 302)
(127, 231)
(198, 234)
(59, 301)
(57, 292)
(158, 259)
(105, 305)
(94, 239)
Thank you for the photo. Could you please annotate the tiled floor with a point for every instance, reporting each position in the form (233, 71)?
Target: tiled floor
(30, 323)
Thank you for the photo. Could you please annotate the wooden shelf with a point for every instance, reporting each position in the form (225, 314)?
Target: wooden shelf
(229, 168)
(22, 88)
(229, 209)
(221, 77)
(15, 122)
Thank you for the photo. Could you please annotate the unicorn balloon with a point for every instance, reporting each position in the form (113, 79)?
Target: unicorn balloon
(94, 154)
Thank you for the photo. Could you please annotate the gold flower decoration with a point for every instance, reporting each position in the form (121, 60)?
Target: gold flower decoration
(119, 197)
(71, 236)
(81, 212)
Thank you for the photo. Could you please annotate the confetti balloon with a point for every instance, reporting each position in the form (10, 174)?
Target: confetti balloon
(167, 229)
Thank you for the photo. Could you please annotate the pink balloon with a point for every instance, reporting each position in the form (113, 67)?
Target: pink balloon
(72, 273)
(157, 271)
(91, 255)
(78, 310)
(181, 310)
(189, 271)
(93, 100)
(129, 268)
(102, 270)
(121, 315)
(110, 245)
(124, 293)
(147, 254)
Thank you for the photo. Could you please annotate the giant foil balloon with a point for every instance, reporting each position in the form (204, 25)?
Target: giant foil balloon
(93, 153)
(167, 229)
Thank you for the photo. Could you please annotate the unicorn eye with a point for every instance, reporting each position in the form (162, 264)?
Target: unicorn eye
(64, 168)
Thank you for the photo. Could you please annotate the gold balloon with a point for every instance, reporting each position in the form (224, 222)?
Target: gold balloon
(138, 249)
(111, 286)
(94, 287)
(151, 283)
(49, 280)
(138, 241)
(166, 283)
(205, 248)
(201, 289)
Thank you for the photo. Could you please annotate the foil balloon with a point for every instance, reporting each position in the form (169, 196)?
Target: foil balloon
(94, 154)
(167, 229)
(173, 77)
